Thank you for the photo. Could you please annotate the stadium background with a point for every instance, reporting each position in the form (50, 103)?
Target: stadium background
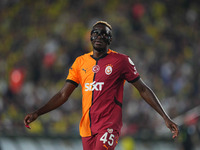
(39, 40)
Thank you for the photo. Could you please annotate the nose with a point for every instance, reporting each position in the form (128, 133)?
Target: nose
(100, 35)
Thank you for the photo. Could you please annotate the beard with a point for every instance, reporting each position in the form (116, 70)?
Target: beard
(99, 49)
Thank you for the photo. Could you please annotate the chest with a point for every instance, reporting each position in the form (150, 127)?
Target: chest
(103, 70)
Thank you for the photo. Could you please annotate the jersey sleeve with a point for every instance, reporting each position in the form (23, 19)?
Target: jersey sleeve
(73, 75)
(129, 72)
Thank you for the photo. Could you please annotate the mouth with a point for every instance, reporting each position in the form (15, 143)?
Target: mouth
(98, 42)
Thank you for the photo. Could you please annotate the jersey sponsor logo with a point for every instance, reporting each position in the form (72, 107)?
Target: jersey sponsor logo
(130, 61)
(108, 69)
(135, 72)
(95, 68)
(97, 86)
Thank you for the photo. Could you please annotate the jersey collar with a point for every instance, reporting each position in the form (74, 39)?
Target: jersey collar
(108, 52)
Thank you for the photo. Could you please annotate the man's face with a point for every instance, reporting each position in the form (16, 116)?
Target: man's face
(100, 37)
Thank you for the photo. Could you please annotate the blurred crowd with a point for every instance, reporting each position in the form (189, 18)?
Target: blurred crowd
(41, 39)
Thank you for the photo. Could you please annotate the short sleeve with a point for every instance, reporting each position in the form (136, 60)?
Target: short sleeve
(129, 72)
(73, 75)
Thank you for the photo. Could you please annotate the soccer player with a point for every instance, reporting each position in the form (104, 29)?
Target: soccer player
(102, 74)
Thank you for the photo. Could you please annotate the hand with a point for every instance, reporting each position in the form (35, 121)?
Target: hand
(173, 127)
(30, 118)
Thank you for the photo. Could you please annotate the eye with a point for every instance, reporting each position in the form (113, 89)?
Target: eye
(104, 34)
(94, 33)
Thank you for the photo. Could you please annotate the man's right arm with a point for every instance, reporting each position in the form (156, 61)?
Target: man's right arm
(57, 100)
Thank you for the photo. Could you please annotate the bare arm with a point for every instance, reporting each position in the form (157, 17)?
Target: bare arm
(148, 95)
(57, 100)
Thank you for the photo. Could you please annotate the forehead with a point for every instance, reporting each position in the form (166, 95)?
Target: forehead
(101, 27)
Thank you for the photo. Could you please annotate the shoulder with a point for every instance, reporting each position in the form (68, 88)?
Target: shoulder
(123, 58)
(119, 56)
(83, 57)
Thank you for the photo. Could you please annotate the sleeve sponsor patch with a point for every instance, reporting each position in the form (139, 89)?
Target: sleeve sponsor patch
(130, 61)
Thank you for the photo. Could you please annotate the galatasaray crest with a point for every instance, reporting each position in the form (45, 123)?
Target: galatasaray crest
(108, 69)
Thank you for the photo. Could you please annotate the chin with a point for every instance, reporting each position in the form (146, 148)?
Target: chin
(99, 49)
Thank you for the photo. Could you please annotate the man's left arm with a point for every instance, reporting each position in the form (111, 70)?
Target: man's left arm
(149, 96)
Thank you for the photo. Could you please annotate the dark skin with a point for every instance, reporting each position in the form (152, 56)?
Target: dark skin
(62, 96)
(99, 43)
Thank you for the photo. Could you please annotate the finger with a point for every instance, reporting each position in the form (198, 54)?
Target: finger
(25, 120)
(175, 131)
(174, 128)
(28, 126)
(175, 135)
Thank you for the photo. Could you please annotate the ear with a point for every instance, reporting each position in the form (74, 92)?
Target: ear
(91, 38)
(109, 40)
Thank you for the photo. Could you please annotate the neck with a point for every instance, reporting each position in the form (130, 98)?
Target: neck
(97, 54)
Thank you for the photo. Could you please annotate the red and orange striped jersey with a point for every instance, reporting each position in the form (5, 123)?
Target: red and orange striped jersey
(102, 82)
